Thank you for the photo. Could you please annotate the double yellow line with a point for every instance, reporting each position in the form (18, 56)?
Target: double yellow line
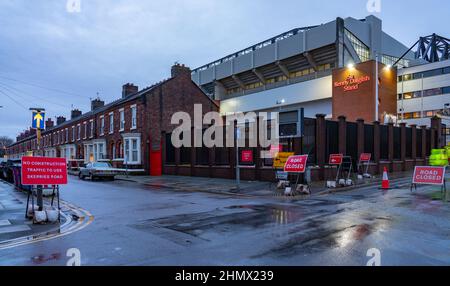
(70, 226)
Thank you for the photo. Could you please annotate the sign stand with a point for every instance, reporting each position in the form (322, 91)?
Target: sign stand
(429, 176)
(345, 166)
(364, 160)
(33, 192)
(297, 164)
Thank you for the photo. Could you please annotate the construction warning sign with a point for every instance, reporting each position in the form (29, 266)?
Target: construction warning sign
(281, 158)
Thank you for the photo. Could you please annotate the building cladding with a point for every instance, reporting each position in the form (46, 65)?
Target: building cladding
(423, 92)
(125, 132)
(295, 67)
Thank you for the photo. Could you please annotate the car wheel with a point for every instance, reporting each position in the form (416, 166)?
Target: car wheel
(80, 175)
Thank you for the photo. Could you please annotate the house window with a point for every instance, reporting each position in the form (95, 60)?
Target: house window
(79, 132)
(73, 133)
(111, 123)
(102, 125)
(100, 154)
(67, 135)
(132, 150)
(133, 116)
(91, 128)
(122, 120)
(85, 130)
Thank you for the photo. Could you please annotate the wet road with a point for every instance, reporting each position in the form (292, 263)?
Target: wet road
(138, 225)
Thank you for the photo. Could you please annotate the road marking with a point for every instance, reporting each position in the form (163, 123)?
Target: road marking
(67, 228)
(4, 222)
(14, 228)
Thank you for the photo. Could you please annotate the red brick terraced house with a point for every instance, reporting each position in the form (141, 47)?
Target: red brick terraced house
(127, 132)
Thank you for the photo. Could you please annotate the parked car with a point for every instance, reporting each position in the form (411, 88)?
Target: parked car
(95, 170)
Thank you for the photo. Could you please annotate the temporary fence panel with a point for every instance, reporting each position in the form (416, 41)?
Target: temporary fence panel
(397, 143)
(429, 142)
(408, 143)
(384, 142)
(352, 141)
(368, 138)
(332, 131)
(309, 140)
(419, 143)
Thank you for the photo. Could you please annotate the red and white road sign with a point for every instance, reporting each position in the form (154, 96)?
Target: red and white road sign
(296, 164)
(44, 171)
(365, 157)
(336, 159)
(247, 156)
(429, 175)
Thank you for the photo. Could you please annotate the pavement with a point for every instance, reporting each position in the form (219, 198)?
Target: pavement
(17, 230)
(138, 224)
(13, 223)
(250, 188)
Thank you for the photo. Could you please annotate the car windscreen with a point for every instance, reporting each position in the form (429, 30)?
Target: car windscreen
(102, 165)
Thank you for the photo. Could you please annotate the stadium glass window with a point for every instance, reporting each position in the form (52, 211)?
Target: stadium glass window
(446, 90)
(432, 92)
(432, 73)
(361, 49)
(416, 115)
(446, 70)
(407, 77)
(408, 95)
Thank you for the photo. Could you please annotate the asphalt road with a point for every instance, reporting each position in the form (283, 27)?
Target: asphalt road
(138, 225)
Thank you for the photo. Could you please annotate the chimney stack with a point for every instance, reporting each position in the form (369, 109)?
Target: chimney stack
(96, 104)
(49, 123)
(129, 89)
(180, 70)
(75, 113)
(60, 120)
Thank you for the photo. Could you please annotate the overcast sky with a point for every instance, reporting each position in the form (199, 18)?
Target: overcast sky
(53, 58)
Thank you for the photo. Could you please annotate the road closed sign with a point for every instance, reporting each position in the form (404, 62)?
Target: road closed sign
(296, 164)
(336, 159)
(429, 176)
(365, 157)
(44, 171)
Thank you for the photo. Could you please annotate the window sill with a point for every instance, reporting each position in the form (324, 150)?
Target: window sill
(132, 163)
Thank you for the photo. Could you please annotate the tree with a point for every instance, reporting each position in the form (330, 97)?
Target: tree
(4, 142)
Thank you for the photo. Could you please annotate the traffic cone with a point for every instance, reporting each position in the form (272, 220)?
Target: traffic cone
(385, 182)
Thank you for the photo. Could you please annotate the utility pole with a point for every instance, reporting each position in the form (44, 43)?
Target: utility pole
(376, 88)
(238, 172)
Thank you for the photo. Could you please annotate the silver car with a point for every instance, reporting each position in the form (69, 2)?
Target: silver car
(95, 170)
